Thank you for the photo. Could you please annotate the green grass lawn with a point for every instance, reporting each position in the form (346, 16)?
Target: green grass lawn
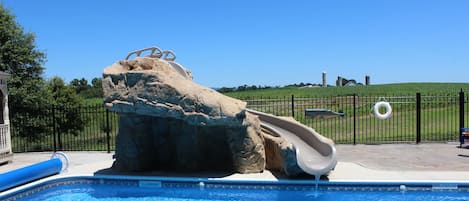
(93, 101)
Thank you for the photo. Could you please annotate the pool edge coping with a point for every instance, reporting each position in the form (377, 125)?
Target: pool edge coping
(428, 183)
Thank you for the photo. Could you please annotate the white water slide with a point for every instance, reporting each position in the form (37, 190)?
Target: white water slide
(315, 154)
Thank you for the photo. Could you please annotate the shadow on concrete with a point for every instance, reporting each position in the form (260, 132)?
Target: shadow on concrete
(463, 146)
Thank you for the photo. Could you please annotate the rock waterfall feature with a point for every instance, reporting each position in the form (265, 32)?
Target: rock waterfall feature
(167, 122)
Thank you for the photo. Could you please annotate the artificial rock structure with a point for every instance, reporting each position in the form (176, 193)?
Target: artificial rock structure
(169, 123)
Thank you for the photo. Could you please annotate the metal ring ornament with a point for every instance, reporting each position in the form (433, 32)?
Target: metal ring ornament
(151, 55)
(388, 108)
(166, 56)
(157, 55)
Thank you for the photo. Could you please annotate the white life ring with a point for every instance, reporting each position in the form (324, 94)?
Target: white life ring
(388, 108)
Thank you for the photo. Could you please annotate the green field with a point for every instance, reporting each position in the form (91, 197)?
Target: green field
(371, 90)
(439, 110)
(400, 89)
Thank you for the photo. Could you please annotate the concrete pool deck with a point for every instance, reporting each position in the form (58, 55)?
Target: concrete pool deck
(387, 162)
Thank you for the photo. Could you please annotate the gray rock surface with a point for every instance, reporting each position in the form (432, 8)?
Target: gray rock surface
(168, 122)
(152, 87)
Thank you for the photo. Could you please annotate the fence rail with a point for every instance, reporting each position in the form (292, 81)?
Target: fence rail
(98, 134)
(5, 144)
(415, 119)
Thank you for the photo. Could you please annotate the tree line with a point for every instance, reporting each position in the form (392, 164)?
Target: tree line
(87, 90)
(30, 94)
(255, 87)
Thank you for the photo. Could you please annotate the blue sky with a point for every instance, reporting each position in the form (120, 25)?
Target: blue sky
(230, 43)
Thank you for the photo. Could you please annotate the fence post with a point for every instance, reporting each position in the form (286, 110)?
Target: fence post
(293, 106)
(419, 118)
(59, 132)
(108, 130)
(53, 129)
(354, 119)
(461, 109)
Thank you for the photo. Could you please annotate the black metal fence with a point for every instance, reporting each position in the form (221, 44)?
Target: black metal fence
(414, 119)
(98, 134)
(419, 118)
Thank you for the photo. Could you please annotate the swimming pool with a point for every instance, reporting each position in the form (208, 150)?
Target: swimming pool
(175, 189)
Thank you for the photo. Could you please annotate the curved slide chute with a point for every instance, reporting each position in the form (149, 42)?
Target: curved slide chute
(316, 154)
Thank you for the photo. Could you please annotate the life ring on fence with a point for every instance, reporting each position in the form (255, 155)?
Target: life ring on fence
(388, 108)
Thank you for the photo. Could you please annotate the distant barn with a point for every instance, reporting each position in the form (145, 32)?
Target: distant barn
(345, 82)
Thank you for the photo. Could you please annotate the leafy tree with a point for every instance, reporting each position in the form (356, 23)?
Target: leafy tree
(226, 89)
(62, 95)
(97, 83)
(68, 104)
(81, 87)
(20, 57)
(97, 87)
(242, 88)
(28, 114)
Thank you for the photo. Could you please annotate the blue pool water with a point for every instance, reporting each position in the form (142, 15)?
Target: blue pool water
(91, 188)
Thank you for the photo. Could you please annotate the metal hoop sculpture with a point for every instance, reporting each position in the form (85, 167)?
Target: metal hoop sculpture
(156, 52)
(166, 55)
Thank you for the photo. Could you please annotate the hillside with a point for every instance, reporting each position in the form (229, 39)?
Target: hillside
(371, 90)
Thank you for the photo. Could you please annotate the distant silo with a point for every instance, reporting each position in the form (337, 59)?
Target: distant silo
(339, 81)
(367, 80)
(324, 83)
